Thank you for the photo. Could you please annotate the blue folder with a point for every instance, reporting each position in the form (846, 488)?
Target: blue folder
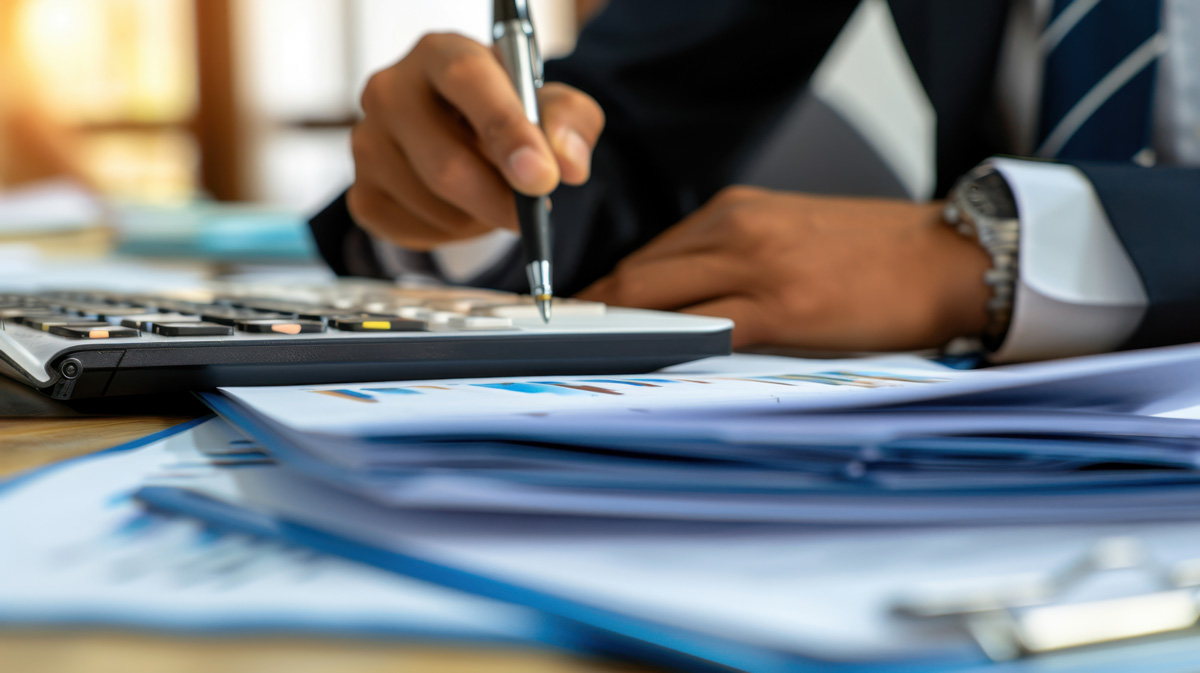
(649, 637)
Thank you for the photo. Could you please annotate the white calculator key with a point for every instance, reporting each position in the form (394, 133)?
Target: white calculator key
(441, 317)
(412, 312)
(459, 305)
(478, 322)
(561, 308)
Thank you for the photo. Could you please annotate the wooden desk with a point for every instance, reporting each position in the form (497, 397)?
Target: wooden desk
(29, 443)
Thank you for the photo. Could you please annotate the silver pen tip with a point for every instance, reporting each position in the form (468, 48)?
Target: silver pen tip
(543, 302)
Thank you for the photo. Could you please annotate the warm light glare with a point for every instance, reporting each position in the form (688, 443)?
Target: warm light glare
(123, 74)
(97, 61)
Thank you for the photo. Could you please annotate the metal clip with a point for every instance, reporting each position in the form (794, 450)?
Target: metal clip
(1027, 615)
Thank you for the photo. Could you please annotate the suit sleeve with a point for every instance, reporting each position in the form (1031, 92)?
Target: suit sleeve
(1155, 213)
(1105, 258)
(690, 88)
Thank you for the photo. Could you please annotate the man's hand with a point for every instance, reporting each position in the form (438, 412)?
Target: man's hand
(814, 273)
(444, 141)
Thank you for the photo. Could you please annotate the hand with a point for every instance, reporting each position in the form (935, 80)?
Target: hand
(814, 273)
(444, 140)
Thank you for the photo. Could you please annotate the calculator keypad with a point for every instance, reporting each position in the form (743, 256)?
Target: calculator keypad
(111, 315)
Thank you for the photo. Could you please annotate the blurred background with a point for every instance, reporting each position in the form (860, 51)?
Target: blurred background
(210, 129)
(164, 101)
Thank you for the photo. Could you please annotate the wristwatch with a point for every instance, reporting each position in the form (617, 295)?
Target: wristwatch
(982, 206)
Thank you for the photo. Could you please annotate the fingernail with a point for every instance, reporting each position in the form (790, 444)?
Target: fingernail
(529, 168)
(577, 149)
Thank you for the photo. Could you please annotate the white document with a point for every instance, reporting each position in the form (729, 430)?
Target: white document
(76, 549)
(822, 593)
(751, 439)
(1146, 382)
(463, 407)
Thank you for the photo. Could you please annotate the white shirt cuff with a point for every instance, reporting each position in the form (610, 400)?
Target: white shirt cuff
(456, 263)
(462, 261)
(1078, 292)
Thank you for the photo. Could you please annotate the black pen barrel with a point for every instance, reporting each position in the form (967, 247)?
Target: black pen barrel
(534, 218)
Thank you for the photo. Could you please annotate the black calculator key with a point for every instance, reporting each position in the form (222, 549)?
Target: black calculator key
(318, 313)
(358, 323)
(18, 314)
(147, 321)
(192, 328)
(229, 316)
(100, 331)
(104, 311)
(176, 306)
(280, 326)
(288, 308)
(44, 323)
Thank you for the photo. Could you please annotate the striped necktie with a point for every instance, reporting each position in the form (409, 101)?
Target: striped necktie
(1098, 87)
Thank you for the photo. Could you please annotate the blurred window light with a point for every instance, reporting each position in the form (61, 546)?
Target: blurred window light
(293, 56)
(107, 61)
(140, 167)
(125, 75)
(122, 74)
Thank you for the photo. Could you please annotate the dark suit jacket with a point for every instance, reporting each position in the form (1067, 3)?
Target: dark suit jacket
(693, 87)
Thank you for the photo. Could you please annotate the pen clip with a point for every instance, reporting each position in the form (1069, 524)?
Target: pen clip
(535, 57)
(510, 14)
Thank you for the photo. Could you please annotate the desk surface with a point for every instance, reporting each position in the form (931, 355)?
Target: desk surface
(29, 443)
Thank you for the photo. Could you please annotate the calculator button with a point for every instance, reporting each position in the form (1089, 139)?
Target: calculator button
(301, 311)
(229, 316)
(176, 306)
(103, 311)
(280, 326)
(100, 331)
(147, 321)
(458, 305)
(191, 328)
(294, 309)
(18, 314)
(318, 313)
(376, 324)
(478, 322)
(441, 317)
(413, 312)
(44, 323)
(526, 308)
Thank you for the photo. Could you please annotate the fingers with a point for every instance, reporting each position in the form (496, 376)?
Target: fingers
(751, 323)
(730, 221)
(470, 78)
(374, 148)
(670, 283)
(445, 141)
(441, 155)
(573, 122)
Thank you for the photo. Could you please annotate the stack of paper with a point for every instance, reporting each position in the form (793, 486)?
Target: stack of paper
(751, 439)
(765, 514)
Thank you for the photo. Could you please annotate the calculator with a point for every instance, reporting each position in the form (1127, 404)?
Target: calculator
(90, 343)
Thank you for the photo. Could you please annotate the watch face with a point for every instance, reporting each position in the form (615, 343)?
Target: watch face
(990, 196)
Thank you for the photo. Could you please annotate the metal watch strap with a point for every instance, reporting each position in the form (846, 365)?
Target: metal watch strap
(982, 206)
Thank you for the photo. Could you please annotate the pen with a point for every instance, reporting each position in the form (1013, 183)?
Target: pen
(516, 45)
